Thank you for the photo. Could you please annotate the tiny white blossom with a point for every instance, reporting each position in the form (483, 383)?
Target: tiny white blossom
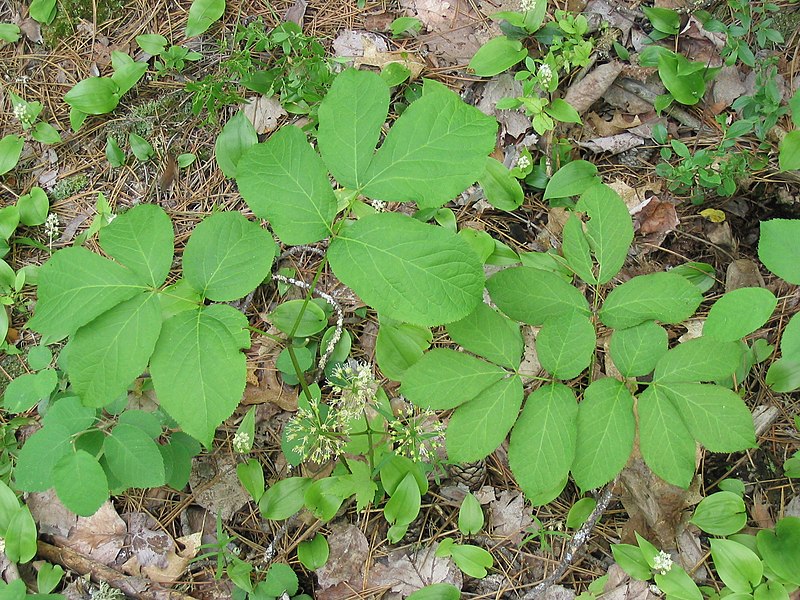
(51, 225)
(378, 205)
(527, 5)
(545, 74)
(523, 162)
(662, 563)
(242, 442)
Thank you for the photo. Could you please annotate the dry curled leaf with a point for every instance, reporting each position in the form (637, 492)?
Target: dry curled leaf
(375, 58)
(591, 88)
(613, 144)
(100, 537)
(264, 112)
(509, 518)
(405, 575)
(349, 550)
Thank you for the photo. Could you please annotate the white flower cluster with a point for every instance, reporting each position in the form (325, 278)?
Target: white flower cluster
(355, 386)
(544, 74)
(21, 114)
(662, 563)
(51, 226)
(527, 5)
(523, 162)
(242, 442)
(416, 434)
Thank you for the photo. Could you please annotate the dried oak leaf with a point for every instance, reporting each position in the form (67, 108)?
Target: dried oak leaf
(264, 112)
(509, 517)
(613, 144)
(349, 550)
(100, 537)
(215, 485)
(656, 217)
(405, 575)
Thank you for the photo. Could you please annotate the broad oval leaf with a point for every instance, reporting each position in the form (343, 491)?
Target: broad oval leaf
(565, 345)
(285, 181)
(350, 119)
(71, 414)
(575, 248)
(470, 516)
(497, 55)
(722, 513)
(400, 345)
(105, 356)
(779, 247)
(36, 459)
(75, 287)
(10, 149)
(533, 295)
(698, 359)
(436, 591)
(664, 297)
(408, 270)
(198, 370)
(784, 375)
(236, 137)
(94, 96)
(606, 428)
(25, 391)
(790, 339)
(134, 457)
(403, 507)
(542, 444)
(636, 350)
(80, 483)
(779, 549)
(501, 188)
(739, 567)
(435, 150)
(142, 240)
(489, 334)
(739, 313)
(444, 378)
(33, 207)
(479, 426)
(227, 256)
(20, 537)
(202, 13)
(572, 179)
(313, 319)
(313, 553)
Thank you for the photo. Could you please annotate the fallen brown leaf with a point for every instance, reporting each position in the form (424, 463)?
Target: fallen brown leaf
(656, 217)
(509, 518)
(375, 58)
(613, 144)
(591, 88)
(349, 550)
(405, 575)
(100, 537)
(215, 485)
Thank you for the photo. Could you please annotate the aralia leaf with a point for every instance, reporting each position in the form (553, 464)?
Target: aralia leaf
(698, 359)
(665, 297)
(565, 345)
(133, 457)
(739, 313)
(636, 350)
(489, 334)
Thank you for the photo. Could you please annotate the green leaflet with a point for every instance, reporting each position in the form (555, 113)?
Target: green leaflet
(80, 483)
(716, 416)
(444, 378)
(533, 296)
(572, 179)
(75, 277)
(350, 119)
(142, 240)
(497, 55)
(197, 368)
(106, 355)
(778, 548)
(227, 256)
(501, 188)
(565, 345)
(400, 345)
(285, 181)
(435, 150)
(134, 457)
(790, 340)
(575, 248)
(24, 392)
(666, 445)
(779, 246)
(202, 13)
(284, 499)
(39, 455)
(664, 297)
(489, 334)
(10, 150)
(542, 445)
(94, 96)
(236, 137)
(606, 429)
(312, 320)
(699, 359)
(636, 350)
(480, 425)
(739, 313)
(399, 265)
(739, 567)
(71, 414)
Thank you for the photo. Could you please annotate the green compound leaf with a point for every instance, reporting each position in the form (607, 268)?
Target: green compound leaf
(606, 428)
(134, 457)
(227, 256)
(739, 313)
(236, 137)
(501, 188)
(489, 334)
(94, 96)
(565, 345)
(636, 350)
(75, 287)
(497, 55)
(533, 296)
(408, 270)
(479, 426)
(716, 416)
(779, 549)
(699, 359)
(667, 446)
(664, 297)
(542, 444)
(400, 345)
(435, 150)
(198, 370)
(80, 483)
(202, 13)
(350, 119)
(779, 247)
(106, 355)
(444, 378)
(39, 455)
(24, 392)
(285, 181)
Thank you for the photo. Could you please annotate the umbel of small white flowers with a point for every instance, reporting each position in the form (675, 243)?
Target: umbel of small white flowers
(527, 5)
(662, 563)
(242, 442)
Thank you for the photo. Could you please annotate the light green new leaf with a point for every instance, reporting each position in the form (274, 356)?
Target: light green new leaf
(561, 110)
(636, 350)
(664, 297)
(24, 392)
(572, 179)
(470, 516)
(565, 345)
(790, 339)
(236, 137)
(43, 11)
(39, 455)
(666, 445)
(542, 445)
(285, 181)
(497, 55)
(202, 13)
(575, 248)
(789, 151)
(444, 378)
(134, 457)
(313, 319)
(739, 313)
(227, 256)
(738, 566)
(606, 428)
(489, 334)
(779, 549)
(435, 150)
(10, 149)
(76, 286)
(350, 119)
(45, 133)
(20, 537)
(716, 416)
(80, 483)
(105, 356)
(699, 359)
(142, 240)
(779, 247)
(501, 188)
(33, 207)
(400, 345)
(198, 371)
(533, 295)
(403, 507)
(94, 96)
(479, 426)
(399, 265)
(9, 32)
(783, 375)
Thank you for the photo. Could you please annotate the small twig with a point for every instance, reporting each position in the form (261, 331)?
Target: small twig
(637, 89)
(575, 544)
